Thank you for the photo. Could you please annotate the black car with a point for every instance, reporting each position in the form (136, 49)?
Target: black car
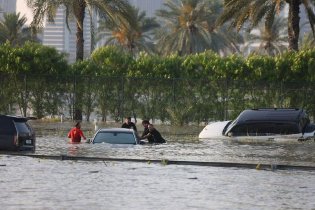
(269, 121)
(16, 134)
(263, 123)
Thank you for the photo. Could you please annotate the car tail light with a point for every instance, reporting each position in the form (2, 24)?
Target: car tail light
(16, 140)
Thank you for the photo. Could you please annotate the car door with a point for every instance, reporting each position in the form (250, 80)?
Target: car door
(7, 133)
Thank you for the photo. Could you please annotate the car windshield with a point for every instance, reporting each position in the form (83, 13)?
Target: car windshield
(115, 138)
(22, 127)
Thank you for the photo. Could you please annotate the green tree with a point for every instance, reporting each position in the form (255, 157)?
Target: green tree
(113, 65)
(188, 27)
(238, 12)
(77, 9)
(86, 86)
(31, 68)
(135, 36)
(271, 38)
(13, 29)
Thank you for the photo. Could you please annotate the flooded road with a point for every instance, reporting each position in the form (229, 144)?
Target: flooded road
(33, 183)
(221, 150)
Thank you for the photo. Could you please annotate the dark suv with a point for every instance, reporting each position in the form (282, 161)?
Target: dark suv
(16, 134)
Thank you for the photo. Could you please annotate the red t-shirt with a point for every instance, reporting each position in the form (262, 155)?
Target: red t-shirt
(75, 134)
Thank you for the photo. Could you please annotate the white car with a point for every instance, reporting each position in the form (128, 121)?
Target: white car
(115, 136)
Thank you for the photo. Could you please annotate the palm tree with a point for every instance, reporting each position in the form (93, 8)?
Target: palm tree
(13, 29)
(238, 12)
(188, 27)
(271, 38)
(134, 36)
(76, 9)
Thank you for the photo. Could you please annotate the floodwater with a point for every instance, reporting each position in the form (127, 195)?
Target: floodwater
(33, 183)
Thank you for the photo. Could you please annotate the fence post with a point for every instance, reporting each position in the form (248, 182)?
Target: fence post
(24, 99)
(174, 94)
(121, 105)
(281, 94)
(74, 97)
(226, 101)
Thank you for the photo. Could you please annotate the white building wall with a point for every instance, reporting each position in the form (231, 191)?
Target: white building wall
(54, 34)
(7, 6)
(59, 36)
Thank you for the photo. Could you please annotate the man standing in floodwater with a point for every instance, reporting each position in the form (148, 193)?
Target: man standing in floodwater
(153, 135)
(76, 133)
(128, 124)
(156, 135)
(145, 133)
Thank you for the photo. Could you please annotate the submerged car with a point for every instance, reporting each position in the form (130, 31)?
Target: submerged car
(115, 136)
(16, 134)
(264, 123)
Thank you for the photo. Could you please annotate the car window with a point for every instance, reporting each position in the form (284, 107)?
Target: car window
(115, 138)
(7, 126)
(265, 129)
(310, 128)
(22, 127)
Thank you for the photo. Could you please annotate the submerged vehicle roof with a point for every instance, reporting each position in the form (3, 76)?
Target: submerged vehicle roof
(14, 118)
(270, 116)
(127, 130)
(115, 136)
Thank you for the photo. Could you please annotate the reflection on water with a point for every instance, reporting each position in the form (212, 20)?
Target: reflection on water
(29, 183)
(221, 150)
(73, 150)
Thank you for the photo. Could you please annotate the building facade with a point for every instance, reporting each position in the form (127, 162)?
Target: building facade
(63, 38)
(58, 35)
(7, 6)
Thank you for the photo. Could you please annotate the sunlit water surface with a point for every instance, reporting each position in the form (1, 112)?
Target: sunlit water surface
(30, 183)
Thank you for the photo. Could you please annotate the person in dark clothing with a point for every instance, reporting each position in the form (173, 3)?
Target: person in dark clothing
(129, 124)
(155, 134)
(145, 133)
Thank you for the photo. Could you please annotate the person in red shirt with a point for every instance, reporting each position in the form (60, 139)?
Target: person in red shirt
(76, 133)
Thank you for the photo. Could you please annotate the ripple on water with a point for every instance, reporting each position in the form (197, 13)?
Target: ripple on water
(297, 153)
(29, 183)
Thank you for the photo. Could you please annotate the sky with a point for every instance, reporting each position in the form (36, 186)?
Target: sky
(24, 10)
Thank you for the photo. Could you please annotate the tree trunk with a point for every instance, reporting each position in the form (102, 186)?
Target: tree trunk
(80, 14)
(293, 24)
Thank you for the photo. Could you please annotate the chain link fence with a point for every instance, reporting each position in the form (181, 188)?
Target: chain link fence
(176, 101)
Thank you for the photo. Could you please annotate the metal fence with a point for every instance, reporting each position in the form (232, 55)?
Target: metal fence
(178, 101)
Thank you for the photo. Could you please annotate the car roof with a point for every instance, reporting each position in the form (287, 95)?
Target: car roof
(14, 118)
(127, 130)
(114, 131)
(271, 115)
